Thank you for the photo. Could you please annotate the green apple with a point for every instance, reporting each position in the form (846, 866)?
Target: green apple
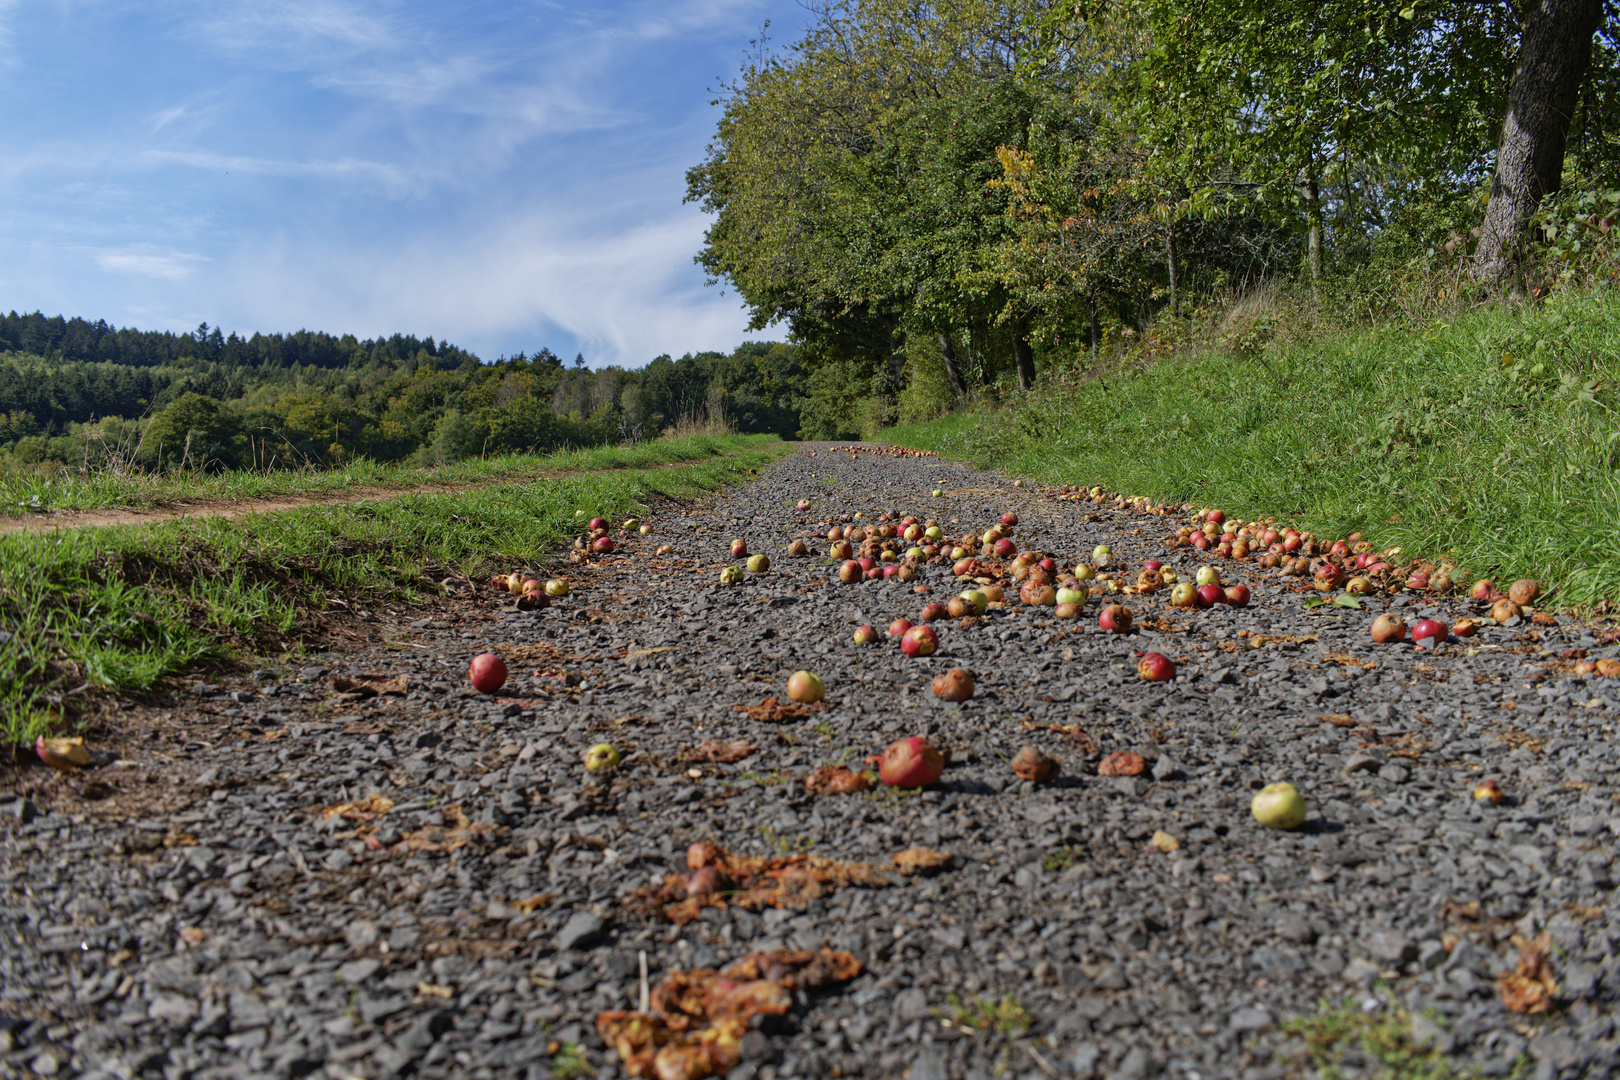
(1278, 806)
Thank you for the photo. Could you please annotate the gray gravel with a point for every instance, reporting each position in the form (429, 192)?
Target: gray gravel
(188, 911)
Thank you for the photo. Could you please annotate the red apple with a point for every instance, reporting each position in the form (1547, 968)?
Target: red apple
(933, 612)
(919, 641)
(1483, 588)
(739, 549)
(864, 635)
(598, 523)
(898, 628)
(1427, 633)
(602, 545)
(954, 685)
(1009, 518)
(911, 762)
(1465, 628)
(1156, 667)
(850, 572)
(1237, 595)
(1210, 595)
(487, 672)
(806, 687)
(1115, 619)
(1005, 548)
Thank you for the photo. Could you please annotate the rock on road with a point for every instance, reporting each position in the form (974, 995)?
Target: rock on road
(357, 866)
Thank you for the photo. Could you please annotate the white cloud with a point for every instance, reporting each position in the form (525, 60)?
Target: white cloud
(624, 297)
(169, 266)
(390, 176)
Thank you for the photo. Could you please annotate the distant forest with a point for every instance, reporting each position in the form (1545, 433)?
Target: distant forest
(80, 392)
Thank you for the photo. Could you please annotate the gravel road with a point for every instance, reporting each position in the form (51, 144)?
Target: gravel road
(357, 866)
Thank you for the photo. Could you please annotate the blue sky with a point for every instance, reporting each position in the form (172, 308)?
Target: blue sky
(500, 175)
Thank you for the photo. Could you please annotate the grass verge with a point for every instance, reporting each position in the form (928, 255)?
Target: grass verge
(1381, 1045)
(1492, 441)
(86, 611)
(28, 491)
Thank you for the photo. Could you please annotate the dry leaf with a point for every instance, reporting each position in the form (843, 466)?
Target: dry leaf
(919, 860)
(370, 808)
(1337, 720)
(720, 753)
(434, 990)
(1122, 763)
(528, 905)
(771, 711)
(1163, 841)
(1529, 988)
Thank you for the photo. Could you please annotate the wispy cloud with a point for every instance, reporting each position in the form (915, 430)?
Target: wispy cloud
(168, 266)
(384, 173)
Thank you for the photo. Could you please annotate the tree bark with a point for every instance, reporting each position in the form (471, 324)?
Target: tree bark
(1311, 192)
(1024, 355)
(1171, 266)
(1554, 50)
(1096, 330)
(953, 372)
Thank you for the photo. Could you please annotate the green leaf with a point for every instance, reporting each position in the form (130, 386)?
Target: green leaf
(1346, 600)
(1312, 602)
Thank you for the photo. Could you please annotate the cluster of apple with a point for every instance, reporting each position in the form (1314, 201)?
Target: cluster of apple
(530, 592)
(757, 564)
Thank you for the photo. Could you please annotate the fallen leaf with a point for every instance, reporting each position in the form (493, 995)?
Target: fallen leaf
(919, 860)
(771, 711)
(193, 935)
(718, 752)
(370, 808)
(528, 905)
(1349, 661)
(457, 832)
(1122, 763)
(434, 990)
(1163, 841)
(1336, 719)
(1076, 734)
(1530, 986)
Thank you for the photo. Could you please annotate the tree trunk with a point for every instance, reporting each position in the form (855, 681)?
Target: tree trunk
(1024, 355)
(1310, 191)
(1554, 50)
(953, 372)
(1171, 266)
(1096, 330)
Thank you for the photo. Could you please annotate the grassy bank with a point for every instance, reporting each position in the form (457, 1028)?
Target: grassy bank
(91, 610)
(53, 487)
(1493, 440)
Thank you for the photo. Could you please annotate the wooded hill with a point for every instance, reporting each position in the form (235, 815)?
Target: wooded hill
(80, 392)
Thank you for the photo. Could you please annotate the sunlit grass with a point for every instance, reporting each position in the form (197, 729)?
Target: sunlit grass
(122, 608)
(31, 489)
(1493, 441)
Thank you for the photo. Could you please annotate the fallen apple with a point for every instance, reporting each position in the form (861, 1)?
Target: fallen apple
(1524, 591)
(598, 523)
(1210, 595)
(865, 635)
(557, 588)
(602, 545)
(1237, 595)
(1031, 765)
(978, 599)
(514, 583)
(730, 575)
(911, 762)
(954, 685)
(1358, 586)
(798, 549)
(739, 549)
(1278, 806)
(1070, 596)
(1207, 575)
(850, 572)
(1388, 628)
(933, 612)
(1183, 594)
(1156, 667)
(1483, 588)
(66, 753)
(805, 687)
(1427, 633)
(602, 757)
(1489, 791)
(919, 641)
(804, 504)
(487, 673)
(1464, 628)
(1115, 619)
(1503, 610)
(758, 564)
(664, 549)
(899, 627)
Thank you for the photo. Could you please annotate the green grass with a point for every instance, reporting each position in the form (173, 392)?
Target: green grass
(56, 487)
(119, 609)
(1383, 1037)
(1492, 441)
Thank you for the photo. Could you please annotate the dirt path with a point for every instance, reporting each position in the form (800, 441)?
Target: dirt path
(362, 867)
(50, 521)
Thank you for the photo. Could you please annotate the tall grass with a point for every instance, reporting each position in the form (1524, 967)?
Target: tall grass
(84, 611)
(1492, 440)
